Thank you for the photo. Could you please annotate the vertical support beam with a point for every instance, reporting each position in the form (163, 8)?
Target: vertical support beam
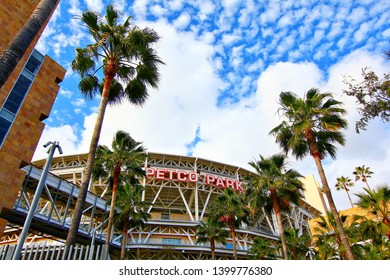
(206, 203)
(185, 203)
(154, 199)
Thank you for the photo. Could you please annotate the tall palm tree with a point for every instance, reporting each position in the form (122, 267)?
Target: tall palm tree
(211, 231)
(126, 154)
(377, 202)
(230, 208)
(344, 183)
(15, 50)
(282, 185)
(129, 65)
(313, 125)
(132, 210)
(362, 173)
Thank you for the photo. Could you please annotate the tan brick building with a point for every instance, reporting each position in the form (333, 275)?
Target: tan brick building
(26, 100)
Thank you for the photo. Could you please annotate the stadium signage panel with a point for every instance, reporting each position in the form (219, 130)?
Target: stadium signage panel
(193, 177)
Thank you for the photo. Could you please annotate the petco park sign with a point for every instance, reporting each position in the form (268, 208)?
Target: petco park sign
(194, 177)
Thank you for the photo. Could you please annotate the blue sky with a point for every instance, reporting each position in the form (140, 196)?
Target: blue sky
(226, 63)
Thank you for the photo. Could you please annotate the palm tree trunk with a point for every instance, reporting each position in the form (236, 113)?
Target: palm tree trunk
(124, 239)
(117, 171)
(332, 206)
(364, 179)
(349, 197)
(212, 247)
(233, 235)
(78, 211)
(275, 205)
(15, 50)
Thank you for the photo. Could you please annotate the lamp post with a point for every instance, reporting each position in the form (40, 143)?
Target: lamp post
(37, 195)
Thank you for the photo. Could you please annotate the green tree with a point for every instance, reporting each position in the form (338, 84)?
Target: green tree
(372, 235)
(212, 232)
(372, 95)
(344, 183)
(298, 244)
(282, 185)
(129, 65)
(15, 50)
(230, 208)
(377, 202)
(262, 249)
(362, 173)
(128, 155)
(328, 241)
(132, 210)
(313, 125)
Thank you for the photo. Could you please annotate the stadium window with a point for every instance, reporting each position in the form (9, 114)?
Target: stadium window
(164, 216)
(171, 241)
(19, 91)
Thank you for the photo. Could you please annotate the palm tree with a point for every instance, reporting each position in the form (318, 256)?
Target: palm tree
(15, 50)
(127, 59)
(230, 208)
(127, 154)
(283, 187)
(328, 239)
(377, 202)
(298, 244)
(212, 232)
(362, 173)
(345, 183)
(262, 249)
(313, 125)
(372, 234)
(132, 210)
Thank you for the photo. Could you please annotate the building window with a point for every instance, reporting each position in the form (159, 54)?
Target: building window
(171, 241)
(164, 216)
(19, 91)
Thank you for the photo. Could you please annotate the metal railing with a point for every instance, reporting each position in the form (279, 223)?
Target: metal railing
(39, 251)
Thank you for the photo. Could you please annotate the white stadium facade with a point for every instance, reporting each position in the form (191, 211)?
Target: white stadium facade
(180, 190)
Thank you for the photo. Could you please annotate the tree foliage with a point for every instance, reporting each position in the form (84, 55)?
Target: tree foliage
(372, 96)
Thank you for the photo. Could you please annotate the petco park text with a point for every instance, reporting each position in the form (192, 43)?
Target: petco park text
(194, 177)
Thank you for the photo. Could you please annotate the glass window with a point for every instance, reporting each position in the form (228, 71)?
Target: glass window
(4, 127)
(171, 241)
(165, 216)
(34, 62)
(18, 93)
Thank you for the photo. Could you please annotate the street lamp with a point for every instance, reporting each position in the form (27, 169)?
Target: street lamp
(37, 195)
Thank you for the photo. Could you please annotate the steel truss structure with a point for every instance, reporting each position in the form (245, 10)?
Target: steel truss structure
(178, 206)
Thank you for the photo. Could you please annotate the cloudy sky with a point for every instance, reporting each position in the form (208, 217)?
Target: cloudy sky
(226, 64)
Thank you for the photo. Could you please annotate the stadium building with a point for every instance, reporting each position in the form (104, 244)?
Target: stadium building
(180, 189)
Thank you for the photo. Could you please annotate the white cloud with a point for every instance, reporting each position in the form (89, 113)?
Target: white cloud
(174, 5)
(66, 93)
(79, 102)
(95, 5)
(158, 10)
(140, 8)
(182, 21)
(205, 9)
(361, 33)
